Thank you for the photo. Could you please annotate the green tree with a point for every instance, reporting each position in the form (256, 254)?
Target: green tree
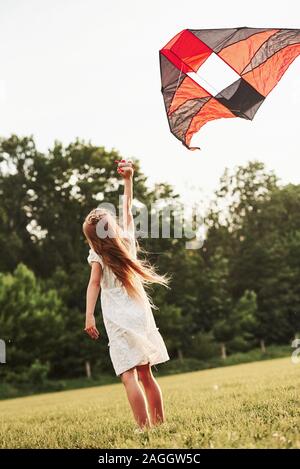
(31, 320)
(244, 318)
(267, 261)
(219, 304)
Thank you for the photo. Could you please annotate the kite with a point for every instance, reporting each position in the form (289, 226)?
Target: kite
(209, 74)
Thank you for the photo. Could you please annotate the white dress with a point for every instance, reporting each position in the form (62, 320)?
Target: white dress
(134, 338)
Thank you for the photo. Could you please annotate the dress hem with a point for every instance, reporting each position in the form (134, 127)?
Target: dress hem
(148, 360)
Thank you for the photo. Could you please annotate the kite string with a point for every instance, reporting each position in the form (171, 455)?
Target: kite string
(182, 63)
(179, 78)
(209, 84)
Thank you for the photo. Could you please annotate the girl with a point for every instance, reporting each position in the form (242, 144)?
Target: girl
(135, 343)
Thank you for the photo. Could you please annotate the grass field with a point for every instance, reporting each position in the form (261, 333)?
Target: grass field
(255, 405)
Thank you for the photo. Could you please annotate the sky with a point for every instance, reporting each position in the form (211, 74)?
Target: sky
(90, 69)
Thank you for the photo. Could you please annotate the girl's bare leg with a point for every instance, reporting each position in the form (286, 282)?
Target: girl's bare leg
(136, 398)
(153, 393)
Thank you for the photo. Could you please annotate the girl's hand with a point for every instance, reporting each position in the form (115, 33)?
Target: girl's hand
(125, 168)
(90, 327)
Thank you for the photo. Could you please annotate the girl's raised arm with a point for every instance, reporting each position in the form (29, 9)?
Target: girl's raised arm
(126, 169)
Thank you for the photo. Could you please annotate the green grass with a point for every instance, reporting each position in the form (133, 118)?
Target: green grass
(254, 405)
(175, 366)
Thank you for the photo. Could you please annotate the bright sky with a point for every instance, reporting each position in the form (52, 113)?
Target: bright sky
(90, 69)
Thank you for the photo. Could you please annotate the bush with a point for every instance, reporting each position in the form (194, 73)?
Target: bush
(33, 379)
(202, 346)
(38, 373)
(239, 344)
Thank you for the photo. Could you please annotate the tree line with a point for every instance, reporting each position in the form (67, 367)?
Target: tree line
(240, 290)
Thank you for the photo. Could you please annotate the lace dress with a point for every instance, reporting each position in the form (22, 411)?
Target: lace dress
(134, 338)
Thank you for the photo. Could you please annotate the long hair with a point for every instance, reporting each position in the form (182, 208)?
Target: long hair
(113, 247)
